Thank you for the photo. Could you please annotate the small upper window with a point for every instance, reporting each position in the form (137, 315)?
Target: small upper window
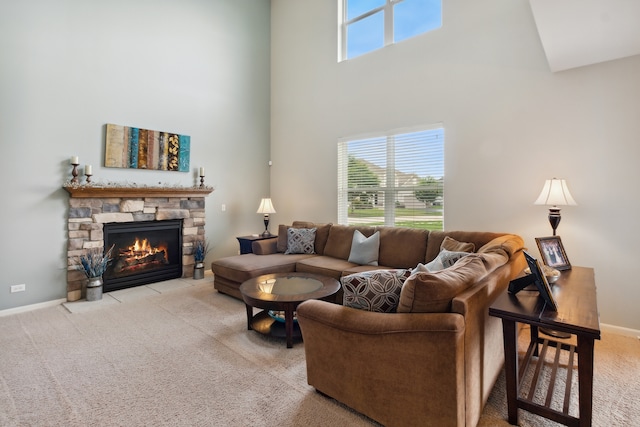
(367, 25)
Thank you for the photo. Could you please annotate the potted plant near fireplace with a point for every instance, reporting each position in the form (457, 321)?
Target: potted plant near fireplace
(199, 252)
(93, 264)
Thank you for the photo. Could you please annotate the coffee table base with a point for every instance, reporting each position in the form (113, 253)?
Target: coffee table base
(267, 325)
(283, 292)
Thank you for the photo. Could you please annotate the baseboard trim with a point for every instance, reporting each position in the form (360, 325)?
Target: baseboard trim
(619, 330)
(25, 308)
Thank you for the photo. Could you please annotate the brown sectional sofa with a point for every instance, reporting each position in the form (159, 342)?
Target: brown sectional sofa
(430, 363)
(399, 248)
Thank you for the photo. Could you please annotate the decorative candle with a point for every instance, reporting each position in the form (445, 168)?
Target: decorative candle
(74, 160)
(201, 171)
(87, 170)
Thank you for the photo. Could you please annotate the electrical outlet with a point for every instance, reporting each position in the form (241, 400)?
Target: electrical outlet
(224, 208)
(18, 288)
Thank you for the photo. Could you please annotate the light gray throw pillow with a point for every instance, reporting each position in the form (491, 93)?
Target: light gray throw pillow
(364, 250)
(445, 259)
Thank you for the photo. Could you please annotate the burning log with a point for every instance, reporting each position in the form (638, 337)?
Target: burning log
(130, 262)
(139, 255)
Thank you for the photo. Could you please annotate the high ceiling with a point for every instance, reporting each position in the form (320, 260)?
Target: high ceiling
(575, 33)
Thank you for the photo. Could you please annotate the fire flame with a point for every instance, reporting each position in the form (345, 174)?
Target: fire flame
(141, 249)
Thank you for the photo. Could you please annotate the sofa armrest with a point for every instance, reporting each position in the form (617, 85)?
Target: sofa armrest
(483, 334)
(264, 247)
(364, 322)
(396, 368)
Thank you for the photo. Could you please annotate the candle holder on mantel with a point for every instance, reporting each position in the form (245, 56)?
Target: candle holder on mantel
(88, 175)
(74, 172)
(201, 180)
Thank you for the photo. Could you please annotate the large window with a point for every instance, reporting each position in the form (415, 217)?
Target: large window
(367, 25)
(396, 178)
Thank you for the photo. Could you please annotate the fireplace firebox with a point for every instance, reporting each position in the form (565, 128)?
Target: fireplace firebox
(144, 252)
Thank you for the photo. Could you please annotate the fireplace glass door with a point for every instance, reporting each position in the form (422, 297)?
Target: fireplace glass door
(144, 252)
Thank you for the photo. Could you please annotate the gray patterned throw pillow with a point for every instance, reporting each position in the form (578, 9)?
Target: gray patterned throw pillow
(301, 241)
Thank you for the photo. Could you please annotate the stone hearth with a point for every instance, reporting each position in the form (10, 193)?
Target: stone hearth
(91, 207)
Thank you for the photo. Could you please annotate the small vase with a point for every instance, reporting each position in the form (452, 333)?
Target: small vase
(94, 288)
(198, 270)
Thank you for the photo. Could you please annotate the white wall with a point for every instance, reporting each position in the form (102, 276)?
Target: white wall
(510, 124)
(196, 67)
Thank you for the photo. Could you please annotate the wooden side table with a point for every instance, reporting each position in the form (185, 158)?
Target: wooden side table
(575, 294)
(246, 241)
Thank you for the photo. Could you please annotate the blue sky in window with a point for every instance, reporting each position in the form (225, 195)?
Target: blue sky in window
(358, 7)
(365, 35)
(411, 17)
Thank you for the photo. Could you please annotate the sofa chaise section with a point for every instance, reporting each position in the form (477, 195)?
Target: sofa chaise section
(230, 272)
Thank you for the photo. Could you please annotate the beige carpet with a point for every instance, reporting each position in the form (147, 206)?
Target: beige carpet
(179, 354)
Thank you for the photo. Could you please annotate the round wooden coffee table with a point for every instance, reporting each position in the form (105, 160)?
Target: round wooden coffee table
(282, 292)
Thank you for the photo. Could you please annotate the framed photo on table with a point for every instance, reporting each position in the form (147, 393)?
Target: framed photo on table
(553, 253)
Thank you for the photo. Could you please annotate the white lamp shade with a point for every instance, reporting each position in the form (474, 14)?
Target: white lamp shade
(555, 193)
(266, 207)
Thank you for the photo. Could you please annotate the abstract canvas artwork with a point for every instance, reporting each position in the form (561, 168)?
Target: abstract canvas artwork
(131, 147)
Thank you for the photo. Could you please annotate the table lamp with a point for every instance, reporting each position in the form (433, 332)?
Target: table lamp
(555, 193)
(266, 208)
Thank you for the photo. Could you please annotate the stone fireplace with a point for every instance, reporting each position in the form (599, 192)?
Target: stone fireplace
(91, 207)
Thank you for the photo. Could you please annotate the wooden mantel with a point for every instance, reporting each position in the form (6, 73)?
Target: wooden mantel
(89, 191)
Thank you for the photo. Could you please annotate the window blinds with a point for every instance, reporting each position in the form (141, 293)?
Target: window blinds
(391, 178)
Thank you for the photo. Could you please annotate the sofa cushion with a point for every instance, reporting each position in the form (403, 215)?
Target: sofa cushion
(325, 266)
(339, 240)
(282, 237)
(364, 250)
(436, 237)
(301, 241)
(239, 268)
(433, 292)
(453, 245)
(377, 290)
(357, 268)
(402, 247)
(322, 233)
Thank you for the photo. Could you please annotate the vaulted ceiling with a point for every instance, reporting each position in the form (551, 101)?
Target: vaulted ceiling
(575, 33)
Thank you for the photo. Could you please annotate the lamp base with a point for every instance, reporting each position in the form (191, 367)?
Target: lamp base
(266, 233)
(554, 218)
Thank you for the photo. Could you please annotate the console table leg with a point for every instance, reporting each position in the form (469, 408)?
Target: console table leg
(510, 338)
(585, 379)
